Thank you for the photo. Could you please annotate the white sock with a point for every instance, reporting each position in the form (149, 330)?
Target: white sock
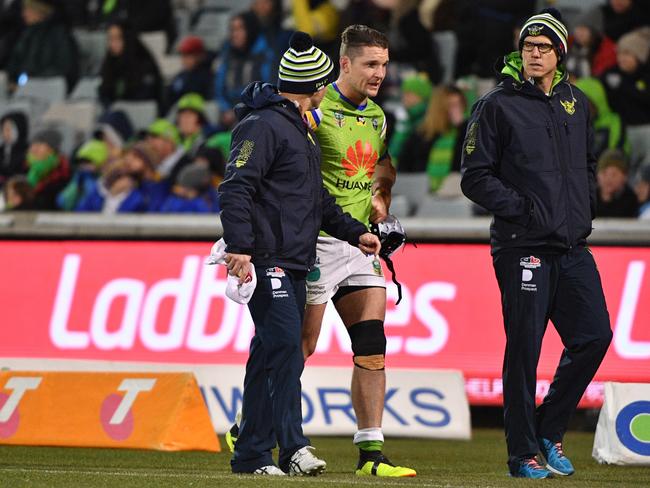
(371, 434)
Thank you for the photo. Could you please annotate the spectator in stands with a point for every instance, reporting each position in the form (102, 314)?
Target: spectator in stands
(89, 161)
(319, 19)
(416, 91)
(436, 145)
(196, 75)
(129, 71)
(410, 42)
(129, 185)
(642, 190)
(11, 25)
(144, 15)
(193, 124)
(221, 142)
(13, 147)
(48, 170)
(443, 15)
(628, 84)
(46, 47)
(592, 52)
(609, 130)
(163, 136)
(18, 194)
(245, 57)
(115, 129)
(367, 12)
(623, 16)
(111, 192)
(270, 16)
(484, 31)
(213, 159)
(615, 197)
(192, 193)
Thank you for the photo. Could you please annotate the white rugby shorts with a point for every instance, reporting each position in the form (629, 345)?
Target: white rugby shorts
(339, 264)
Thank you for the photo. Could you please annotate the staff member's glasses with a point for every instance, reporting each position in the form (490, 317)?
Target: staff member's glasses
(543, 47)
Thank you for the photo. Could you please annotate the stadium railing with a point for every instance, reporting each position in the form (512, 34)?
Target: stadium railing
(81, 226)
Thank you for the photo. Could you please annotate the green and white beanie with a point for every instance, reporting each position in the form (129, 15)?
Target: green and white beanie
(547, 23)
(304, 68)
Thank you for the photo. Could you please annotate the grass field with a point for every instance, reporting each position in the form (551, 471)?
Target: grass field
(477, 463)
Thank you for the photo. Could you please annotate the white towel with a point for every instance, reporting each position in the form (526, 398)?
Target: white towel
(241, 293)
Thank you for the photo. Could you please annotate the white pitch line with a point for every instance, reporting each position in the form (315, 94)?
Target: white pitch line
(218, 476)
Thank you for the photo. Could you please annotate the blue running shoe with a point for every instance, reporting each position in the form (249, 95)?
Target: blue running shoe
(530, 468)
(556, 461)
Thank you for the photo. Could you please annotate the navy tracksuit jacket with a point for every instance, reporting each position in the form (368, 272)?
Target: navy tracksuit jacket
(527, 159)
(273, 207)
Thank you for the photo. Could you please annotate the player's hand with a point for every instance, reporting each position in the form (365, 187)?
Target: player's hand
(380, 206)
(238, 265)
(369, 243)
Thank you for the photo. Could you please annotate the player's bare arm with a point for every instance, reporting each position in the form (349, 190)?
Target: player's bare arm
(383, 181)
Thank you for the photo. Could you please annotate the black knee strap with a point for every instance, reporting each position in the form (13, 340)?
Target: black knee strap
(368, 341)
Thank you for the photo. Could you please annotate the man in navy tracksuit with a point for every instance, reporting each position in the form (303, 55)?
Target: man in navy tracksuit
(527, 159)
(273, 207)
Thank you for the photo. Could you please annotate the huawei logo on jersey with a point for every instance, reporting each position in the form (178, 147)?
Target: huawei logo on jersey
(360, 158)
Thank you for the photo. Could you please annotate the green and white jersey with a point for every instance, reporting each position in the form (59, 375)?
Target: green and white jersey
(352, 140)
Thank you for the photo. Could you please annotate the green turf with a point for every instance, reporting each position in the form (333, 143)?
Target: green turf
(477, 463)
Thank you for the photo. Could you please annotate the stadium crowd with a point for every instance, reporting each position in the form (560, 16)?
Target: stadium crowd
(126, 106)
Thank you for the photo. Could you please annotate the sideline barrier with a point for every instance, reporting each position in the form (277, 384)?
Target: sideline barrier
(161, 411)
(623, 431)
(419, 403)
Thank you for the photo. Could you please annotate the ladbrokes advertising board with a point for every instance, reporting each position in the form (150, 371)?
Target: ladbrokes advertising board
(157, 302)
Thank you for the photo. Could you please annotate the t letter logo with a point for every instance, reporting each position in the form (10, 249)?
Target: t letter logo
(19, 385)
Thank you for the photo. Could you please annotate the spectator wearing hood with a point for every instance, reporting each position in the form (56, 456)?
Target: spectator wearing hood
(196, 75)
(592, 52)
(46, 47)
(13, 144)
(192, 192)
(642, 190)
(129, 71)
(609, 130)
(89, 159)
(115, 129)
(245, 57)
(48, 170)
(628, 84)
(615, 198)
(193, 125)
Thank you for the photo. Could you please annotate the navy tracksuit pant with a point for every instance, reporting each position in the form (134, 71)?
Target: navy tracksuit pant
(535, 287)
(271, 408)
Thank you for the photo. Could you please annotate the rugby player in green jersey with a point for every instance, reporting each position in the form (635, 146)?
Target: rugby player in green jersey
(358, 172)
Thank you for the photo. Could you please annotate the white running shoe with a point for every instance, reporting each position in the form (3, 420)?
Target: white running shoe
(304, 463)
(270, 470)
